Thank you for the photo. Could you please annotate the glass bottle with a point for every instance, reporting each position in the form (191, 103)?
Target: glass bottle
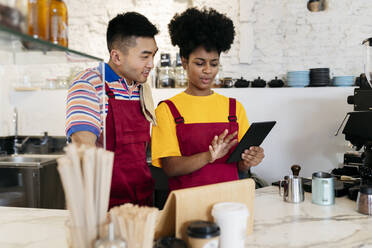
(38, 19)
(58, 23)
(165, 78)
(180, 74)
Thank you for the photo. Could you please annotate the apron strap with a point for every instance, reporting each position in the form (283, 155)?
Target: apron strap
(232, 110)
(176, 114)
(109, 92)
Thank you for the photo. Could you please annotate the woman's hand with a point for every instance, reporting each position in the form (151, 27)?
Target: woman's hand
(251, 157)
(221, 145)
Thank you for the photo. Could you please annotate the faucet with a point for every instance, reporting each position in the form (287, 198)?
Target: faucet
(17, 146)
(45, 139)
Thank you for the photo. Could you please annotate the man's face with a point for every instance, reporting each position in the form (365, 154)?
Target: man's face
(138, 59)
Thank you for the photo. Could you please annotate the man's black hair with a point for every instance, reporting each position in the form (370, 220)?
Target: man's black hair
(125, 26)
(207, 28)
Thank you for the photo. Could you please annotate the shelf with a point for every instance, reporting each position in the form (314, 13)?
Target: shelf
(22, 49)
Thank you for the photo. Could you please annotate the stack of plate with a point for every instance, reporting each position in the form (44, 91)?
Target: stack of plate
(343, 81)
(319, 77)
(298, 78)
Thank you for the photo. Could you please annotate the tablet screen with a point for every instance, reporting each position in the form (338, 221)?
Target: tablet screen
(254, 136)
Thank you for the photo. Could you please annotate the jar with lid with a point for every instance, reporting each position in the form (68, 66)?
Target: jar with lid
(165, 77)
(58, 23)
(228, 82)
(202, 234)
(38, 19)
(180, 74)
(218, 80)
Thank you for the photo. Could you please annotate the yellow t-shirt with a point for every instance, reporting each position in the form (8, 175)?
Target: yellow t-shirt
(194, 109)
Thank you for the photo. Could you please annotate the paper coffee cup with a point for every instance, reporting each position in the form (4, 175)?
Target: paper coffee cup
(231, 217)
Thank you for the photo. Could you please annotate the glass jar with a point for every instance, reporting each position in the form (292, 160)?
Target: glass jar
(58, 23)
(180, 74)
(228, 82)
(38, 19)
(218, 80)
(165, 77)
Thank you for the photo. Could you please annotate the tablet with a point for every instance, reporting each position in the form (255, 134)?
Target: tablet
(254, 136)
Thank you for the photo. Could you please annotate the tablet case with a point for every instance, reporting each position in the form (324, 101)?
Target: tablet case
(254, 136)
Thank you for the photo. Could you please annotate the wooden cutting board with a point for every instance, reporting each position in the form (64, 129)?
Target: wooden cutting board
(187, 205)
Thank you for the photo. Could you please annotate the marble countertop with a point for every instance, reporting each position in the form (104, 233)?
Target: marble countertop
(277, 224)
(281, 224)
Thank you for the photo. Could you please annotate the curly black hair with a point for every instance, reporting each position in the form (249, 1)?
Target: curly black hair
(127, 25)
(207, 27)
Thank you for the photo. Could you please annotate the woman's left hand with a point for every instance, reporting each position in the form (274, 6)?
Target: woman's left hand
(251, 157)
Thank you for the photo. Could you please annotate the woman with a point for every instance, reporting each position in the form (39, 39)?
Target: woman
(198, 128)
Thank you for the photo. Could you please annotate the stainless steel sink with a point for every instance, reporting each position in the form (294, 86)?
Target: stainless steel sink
(31, 180)
(27, 160)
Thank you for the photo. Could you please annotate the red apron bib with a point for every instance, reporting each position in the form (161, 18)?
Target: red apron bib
(195, 138)
(127, 134)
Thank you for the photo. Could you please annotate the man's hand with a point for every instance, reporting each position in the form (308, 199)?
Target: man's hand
(84, 138)
(221, 145)
(251, 157)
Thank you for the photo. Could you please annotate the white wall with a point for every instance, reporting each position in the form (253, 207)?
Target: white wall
(307, 120)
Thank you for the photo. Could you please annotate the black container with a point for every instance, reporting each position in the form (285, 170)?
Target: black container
(170, 242)
(259, 83)
(241, 83)
(276, 83)
(165, 59)
(203, 229)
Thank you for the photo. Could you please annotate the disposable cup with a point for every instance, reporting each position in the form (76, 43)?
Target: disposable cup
(231, 217)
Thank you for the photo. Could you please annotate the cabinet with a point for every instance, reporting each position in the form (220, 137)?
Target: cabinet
(32, 186)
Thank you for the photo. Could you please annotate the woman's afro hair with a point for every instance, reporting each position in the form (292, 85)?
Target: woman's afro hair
(206, 27)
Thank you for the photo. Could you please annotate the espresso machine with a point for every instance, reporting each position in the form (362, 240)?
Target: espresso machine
(358, 127)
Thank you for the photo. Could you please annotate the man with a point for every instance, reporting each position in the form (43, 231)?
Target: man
(132, 47)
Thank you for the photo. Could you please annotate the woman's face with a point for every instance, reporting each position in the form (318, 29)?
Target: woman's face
(201, 67)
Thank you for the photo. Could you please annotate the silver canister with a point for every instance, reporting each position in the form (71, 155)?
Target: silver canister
(322, 188)
(292, 189)
(364, 200)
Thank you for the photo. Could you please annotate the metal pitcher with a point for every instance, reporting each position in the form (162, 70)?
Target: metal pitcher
(322, 189)
(292, 189)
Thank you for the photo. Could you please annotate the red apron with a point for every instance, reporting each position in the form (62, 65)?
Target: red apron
(195, 138)
(127, 134)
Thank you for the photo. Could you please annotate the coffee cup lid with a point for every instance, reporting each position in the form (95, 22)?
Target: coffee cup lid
(203, 229)
(229, 208)
(170, 242)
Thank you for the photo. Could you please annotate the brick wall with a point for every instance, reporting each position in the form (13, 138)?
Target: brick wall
(286, 36)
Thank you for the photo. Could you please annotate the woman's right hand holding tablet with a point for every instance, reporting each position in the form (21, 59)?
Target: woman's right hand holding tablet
(221, 145)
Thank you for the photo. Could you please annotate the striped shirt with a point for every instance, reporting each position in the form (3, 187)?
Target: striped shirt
(84, 99)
